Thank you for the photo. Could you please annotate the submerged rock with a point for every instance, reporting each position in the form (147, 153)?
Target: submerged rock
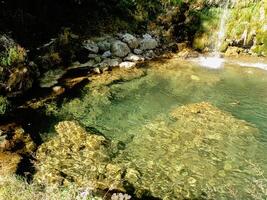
(8, 163)
(13, 138)
(185, 156)
(75, 155)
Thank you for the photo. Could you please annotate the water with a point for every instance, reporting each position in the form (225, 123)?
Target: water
(222, 27)
(195, 151)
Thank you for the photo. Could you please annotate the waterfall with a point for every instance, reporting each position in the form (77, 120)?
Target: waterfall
(215, 61)
(222, 28)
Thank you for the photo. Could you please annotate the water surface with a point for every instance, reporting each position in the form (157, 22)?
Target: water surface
(223, 157)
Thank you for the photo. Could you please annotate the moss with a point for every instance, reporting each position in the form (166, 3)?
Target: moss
(4, 105)
(13, 56)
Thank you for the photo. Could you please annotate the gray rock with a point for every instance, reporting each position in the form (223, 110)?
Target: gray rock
(130, 40)
(147, 36)
(106, 54)
(120, 49)
(98, 59)
(149, 54)
(115, 62)
(97, 70)
(127, 65)
(138, 51)
(104, 46)
(92, 55)
(134, 58)
(91, 46)
(148, 43)
(51, 77)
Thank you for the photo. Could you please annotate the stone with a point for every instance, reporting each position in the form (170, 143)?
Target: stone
(13, 138)
(114, 62)
(120, 49)
(147, 36)
(75, 155)
(134, 58)
(233, 51)
(149, 54)
(138, 51)
(58, 90)
(98, 59)
(104, 46)
(148, 43)
(127, 65)
(97, 70)
(91, 46)
(131, 40)
(106, 54)
(51, 77)
(92, 55)
(176, 152)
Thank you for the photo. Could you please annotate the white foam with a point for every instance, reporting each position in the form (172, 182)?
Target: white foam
(214, 62)
(255, 65)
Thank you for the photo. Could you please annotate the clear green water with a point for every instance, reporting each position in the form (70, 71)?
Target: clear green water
(137, 113)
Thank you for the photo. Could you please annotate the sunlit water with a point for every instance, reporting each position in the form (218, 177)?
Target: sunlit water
(137, 113)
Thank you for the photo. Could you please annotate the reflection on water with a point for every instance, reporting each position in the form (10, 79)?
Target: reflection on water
(195, 151)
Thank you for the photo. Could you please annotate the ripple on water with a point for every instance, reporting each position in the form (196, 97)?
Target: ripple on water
(197, 150)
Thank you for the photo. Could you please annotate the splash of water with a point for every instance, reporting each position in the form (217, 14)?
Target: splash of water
(222, 28)
(215, 61)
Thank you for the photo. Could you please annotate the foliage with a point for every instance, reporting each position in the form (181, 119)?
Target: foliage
(13, 56)
(4, 104)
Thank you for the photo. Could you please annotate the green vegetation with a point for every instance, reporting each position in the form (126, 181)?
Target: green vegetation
(12, 56)
(4, 104)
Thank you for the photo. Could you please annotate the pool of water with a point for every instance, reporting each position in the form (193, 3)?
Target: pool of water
(220, 154)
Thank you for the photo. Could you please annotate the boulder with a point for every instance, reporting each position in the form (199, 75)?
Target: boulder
(130, 40)
(92, 55)
(134, 58)
(106, 54)
(150, 55)
(104, 46)
(127, 65)
(120, 49)
(138, 51)
(77, 156)
(148, 43)
(91, 46)
(233, 51)
(108, 62)
(51, 77)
